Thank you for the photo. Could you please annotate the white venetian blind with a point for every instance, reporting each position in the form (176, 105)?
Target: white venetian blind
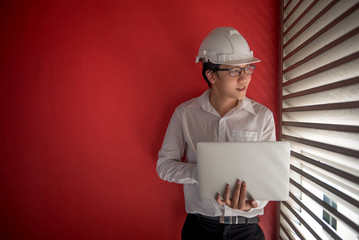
(320, 118)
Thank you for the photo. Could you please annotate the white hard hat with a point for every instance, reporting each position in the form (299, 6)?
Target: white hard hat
(225, 45)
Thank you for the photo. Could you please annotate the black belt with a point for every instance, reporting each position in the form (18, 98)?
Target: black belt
(231, 219)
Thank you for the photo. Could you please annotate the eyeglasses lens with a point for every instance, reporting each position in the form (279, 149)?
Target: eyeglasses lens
(235, 72)
(249, 70)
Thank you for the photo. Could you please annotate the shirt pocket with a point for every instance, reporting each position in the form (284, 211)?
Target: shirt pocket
(243, 136)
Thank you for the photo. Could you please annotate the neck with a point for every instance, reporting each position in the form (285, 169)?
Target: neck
(221, 103)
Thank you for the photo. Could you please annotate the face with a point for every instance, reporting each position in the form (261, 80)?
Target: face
(230, 87)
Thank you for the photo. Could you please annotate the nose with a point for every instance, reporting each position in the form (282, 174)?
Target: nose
(242, 77)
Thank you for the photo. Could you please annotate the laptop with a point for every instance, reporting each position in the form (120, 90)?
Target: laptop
(263, 165)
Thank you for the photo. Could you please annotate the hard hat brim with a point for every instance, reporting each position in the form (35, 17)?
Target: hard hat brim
(238, 62)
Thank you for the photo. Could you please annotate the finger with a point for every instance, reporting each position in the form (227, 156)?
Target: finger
(226, 198)
(254, 204)
(249, 204)
(219, 200)
(243, 196)
(236, 194)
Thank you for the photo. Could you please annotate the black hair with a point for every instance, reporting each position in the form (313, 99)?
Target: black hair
(209, 66)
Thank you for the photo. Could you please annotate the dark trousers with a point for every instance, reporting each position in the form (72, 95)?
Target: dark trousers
(198, 228)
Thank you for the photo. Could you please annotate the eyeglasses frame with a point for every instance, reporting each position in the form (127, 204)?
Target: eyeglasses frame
(242, 70)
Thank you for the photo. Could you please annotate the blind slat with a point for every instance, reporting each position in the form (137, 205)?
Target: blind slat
(323, 49)
(343, 116)
(343, 218)
(292, 226)
(330, 179)
(285, 231)
(322, 31)
(287, 5)
(319, 15)
(333, 148)
(319, 107)
(326, 186)
(346, 140)
(326, 167)
(326, 87)
(331, 127)
(330, 106)
(293, 10)
(318, 220)
(300, 17)
(301, 220)
(324, 68)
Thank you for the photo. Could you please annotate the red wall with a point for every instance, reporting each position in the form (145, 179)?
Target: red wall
(87, 90)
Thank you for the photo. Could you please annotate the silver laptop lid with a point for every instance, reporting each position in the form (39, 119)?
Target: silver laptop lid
(263, 165)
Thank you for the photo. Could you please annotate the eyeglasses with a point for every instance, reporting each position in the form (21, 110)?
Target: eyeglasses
(236, 71)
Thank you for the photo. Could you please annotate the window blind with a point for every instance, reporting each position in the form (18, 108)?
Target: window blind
(319, 81)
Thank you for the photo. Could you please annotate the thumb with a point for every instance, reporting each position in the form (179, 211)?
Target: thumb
(254, 204)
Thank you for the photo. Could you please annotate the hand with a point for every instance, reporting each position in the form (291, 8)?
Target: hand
(239, 196)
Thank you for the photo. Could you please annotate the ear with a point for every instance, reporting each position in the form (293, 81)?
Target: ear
(210, 76)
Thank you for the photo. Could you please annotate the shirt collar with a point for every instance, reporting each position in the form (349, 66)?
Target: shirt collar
(246, 104)
(203, 102)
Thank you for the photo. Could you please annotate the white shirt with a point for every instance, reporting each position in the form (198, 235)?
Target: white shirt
(197, 121)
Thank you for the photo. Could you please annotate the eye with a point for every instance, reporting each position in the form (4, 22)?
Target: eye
(235, 70)
(249, 70)
(249, 67)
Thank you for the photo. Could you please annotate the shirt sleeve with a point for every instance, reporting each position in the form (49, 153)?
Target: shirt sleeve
(269, 128)
(169, 165)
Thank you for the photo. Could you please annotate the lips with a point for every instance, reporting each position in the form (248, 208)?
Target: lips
(241, 88)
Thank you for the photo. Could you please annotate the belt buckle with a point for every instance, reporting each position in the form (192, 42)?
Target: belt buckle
(225, 219)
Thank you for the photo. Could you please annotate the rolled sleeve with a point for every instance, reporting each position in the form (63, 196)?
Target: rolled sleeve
(169, 165)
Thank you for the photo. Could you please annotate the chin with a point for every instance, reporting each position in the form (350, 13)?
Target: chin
(241, 97)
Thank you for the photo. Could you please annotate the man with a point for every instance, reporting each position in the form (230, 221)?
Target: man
(222, 113)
